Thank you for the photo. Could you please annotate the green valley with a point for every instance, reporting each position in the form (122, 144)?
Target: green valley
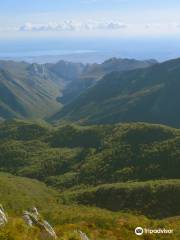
(104, 167)
(146, 95)
(91, 154)
(38, 91)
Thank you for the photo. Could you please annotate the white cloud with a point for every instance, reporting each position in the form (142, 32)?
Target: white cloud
(108, 27)
(73, 26)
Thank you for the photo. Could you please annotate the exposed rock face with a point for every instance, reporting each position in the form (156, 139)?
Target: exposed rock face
(3, 217)
(83, 236)
(33, 218)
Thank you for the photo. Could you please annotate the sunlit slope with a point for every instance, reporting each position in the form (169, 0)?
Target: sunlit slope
(28, 91)
(18, 194)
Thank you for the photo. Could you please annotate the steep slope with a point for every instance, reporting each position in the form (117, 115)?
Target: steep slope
(75, 71)
(84, 76)
(97, 71)
(27, 91)
(18, 193)
(149, 95)
(66, 70)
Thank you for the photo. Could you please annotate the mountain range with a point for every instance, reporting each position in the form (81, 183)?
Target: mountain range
(147, 95)
(118, 90)
(39, 90)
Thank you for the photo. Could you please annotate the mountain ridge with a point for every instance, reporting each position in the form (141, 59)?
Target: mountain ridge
(39, 90)
(137, 95)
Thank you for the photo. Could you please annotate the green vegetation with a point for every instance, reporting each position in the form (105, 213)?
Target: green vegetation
(127, 169)
(98, 224)
(148, 198)
(74, 157)
(27, 91)
(18, 194)
(37, 91)
(102, 179)
(146, 95)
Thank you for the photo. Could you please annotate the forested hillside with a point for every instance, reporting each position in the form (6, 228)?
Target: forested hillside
(146, 95)
(75, 158)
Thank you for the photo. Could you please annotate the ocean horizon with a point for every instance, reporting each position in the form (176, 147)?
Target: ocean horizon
(88, 50)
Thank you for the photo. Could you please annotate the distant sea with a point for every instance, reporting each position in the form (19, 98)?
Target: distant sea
(88, 50)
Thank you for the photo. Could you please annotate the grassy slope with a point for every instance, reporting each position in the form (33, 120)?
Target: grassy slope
(28, 91)
(18, 193)
(98, 225)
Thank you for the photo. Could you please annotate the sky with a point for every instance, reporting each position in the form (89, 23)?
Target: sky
(89, 18)
(122, 28)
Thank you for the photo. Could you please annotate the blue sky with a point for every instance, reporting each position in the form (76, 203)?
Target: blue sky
(20, 18)
(16, 6)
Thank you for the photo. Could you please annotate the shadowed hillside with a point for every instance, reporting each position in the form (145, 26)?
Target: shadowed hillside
(148, 95)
